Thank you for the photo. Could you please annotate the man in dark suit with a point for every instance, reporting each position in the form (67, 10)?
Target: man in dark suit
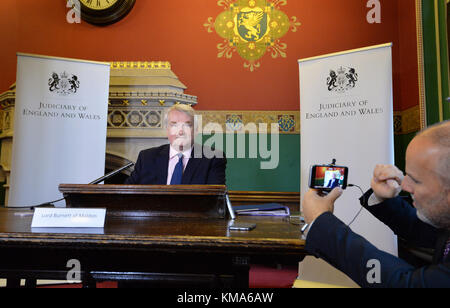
(427, 224)
(180, 162)
(333, 182)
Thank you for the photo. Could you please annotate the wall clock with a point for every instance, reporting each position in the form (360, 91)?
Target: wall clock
(105, 12)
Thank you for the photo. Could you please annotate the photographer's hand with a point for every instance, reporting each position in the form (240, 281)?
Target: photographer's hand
(386, 182)
(314, 205)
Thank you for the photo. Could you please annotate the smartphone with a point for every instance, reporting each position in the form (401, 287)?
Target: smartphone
(328, 177)
(239, 226)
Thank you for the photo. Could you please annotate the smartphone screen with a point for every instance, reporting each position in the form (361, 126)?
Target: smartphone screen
(327, 177)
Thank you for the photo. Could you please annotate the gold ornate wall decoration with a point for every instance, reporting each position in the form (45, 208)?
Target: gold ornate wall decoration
(407, 121)
(233, 121)
(420, 64)
(252, 28)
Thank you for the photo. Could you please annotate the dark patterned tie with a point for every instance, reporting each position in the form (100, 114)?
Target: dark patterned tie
(447, 249)
(178, 171)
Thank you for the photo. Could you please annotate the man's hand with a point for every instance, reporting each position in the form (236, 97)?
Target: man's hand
(386, 182)
(314, 205)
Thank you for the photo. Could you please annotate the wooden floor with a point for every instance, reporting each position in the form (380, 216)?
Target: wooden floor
(260, 277)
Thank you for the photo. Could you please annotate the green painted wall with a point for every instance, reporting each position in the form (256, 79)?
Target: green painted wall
(400, 144)
(444, 57)
(245, 174)
(435, 60)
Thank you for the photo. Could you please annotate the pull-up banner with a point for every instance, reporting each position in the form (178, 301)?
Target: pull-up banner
(59, 126)
(346, 111)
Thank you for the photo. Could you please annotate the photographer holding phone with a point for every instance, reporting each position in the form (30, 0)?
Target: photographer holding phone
(426, 223)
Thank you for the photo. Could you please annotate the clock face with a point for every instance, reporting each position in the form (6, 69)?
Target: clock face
(98, 4)
(104, 12)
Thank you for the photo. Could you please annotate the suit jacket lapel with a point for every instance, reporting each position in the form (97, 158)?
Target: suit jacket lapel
(190, 168)
(162, 165)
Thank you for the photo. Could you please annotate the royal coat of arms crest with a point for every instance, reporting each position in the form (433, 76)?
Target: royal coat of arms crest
(62, 84)
(342, 79)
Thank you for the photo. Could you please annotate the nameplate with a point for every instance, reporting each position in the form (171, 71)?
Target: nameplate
(68, 218)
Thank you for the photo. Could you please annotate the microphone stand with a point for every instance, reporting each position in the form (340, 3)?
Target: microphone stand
(111, 174)
(105, 177)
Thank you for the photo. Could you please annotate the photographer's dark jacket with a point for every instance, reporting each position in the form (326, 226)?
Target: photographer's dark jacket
(330, 239)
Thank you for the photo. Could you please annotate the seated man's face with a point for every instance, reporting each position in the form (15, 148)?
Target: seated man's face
(180, 130)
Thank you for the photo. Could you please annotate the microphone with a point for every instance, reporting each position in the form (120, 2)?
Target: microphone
(111, 174)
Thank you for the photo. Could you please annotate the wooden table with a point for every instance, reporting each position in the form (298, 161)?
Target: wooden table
(158, 251)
